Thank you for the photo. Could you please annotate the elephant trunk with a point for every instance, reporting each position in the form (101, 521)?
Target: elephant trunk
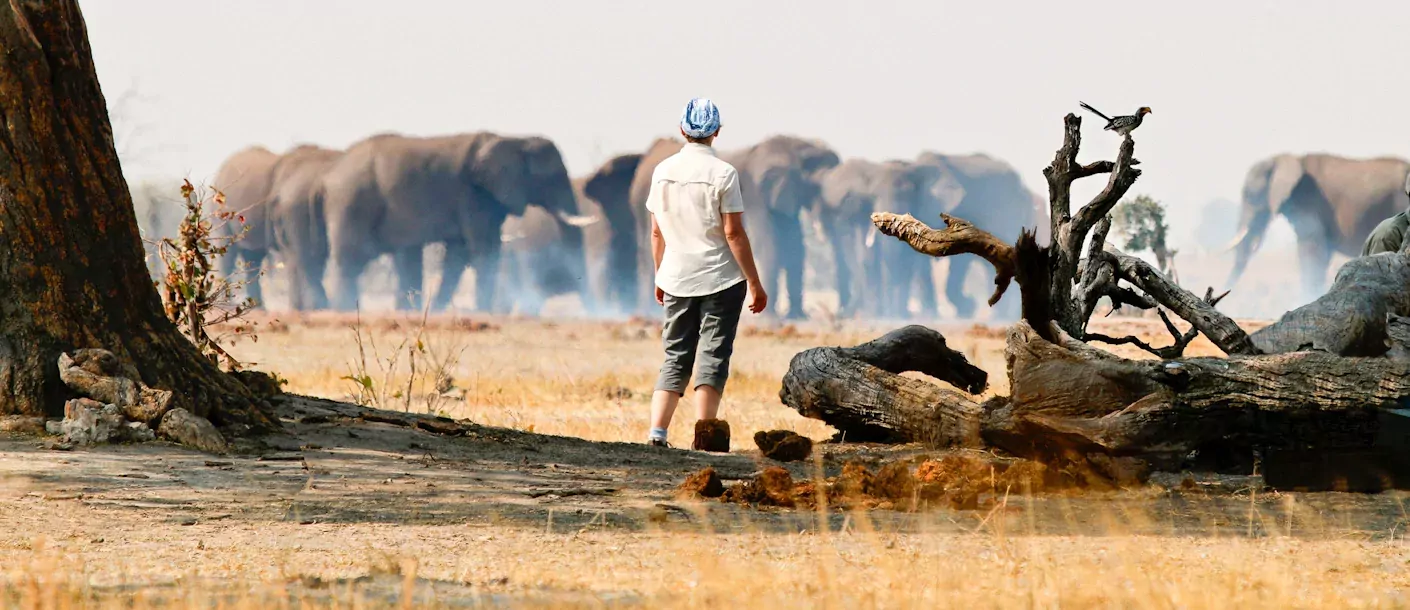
(1246, 243)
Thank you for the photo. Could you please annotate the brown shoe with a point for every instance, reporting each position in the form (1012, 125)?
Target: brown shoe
(711, 435)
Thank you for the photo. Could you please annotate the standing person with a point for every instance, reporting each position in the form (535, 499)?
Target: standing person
(703, 267)
(1389, 236)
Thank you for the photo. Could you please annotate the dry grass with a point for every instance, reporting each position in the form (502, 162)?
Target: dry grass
(851, 568)
(592, 380)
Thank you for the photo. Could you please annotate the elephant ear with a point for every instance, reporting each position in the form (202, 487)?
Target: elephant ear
(499, 167)
(1284, 177)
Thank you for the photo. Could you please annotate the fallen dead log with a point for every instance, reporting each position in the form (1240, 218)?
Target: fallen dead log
(859, 390)
(1350, 319)
(1073, 402)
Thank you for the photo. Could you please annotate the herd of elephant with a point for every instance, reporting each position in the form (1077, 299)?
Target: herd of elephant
(506, 207)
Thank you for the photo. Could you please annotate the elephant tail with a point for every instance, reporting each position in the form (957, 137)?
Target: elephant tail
(1094, 111)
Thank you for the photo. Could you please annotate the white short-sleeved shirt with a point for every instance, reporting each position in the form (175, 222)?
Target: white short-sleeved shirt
(690, 193)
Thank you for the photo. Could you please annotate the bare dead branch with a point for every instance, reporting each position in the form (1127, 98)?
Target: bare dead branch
(1174, 350)
(1122, 177)
(1092, 169)
(1200, 313)
(1060, 173)
(958, 237)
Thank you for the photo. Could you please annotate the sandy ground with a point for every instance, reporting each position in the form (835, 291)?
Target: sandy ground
(553, 502)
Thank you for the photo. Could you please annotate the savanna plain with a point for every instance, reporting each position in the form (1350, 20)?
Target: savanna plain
(551, 500)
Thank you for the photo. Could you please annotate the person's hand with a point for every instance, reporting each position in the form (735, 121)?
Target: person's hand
(660, 296)
(758, 299)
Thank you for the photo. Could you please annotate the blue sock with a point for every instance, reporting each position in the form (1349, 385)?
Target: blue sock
(658, 434)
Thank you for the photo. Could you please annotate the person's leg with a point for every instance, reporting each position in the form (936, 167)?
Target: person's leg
(719, 321)
(707, 402)
(679, 336)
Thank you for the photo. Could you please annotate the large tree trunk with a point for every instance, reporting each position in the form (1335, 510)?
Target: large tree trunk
(71, 261)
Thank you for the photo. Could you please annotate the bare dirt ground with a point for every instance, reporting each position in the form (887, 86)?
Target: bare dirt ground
(552, 501)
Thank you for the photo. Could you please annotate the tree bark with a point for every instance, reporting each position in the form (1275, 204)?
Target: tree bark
(1350, 319)
(859, 390)
(1072, 402)
(71, 260)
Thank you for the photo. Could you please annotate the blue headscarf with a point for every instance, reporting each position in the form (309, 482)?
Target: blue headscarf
(701, 118)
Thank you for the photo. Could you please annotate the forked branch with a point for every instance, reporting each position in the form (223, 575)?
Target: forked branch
(958, 237)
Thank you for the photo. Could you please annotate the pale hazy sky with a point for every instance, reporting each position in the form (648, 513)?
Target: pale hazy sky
(1230, 81)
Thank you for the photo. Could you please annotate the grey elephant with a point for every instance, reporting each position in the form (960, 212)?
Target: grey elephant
(298, 224)
(245, 178)
(783, 175)
(612, 244)
(396, 194)
(875, 274)
(989, 193)
(1332, 202)
(535, 264)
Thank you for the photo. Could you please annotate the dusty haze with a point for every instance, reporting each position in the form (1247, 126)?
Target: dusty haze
(1230, 82)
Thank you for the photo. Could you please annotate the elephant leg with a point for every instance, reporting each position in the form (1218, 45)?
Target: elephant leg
(901, 274)
(456, 260)
(954, 286)
(1314, 255)
(842, 268)
(408, 265)
(870, 282)
(925, 284)
(347, 264)
(792, 258)
(486, 260)
(311, 271)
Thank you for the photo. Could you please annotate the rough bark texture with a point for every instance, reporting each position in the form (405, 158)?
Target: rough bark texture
(1350, 319)
(71, 260)
(958, 237)
(1069, 232)
(1072, 402)
(859, 390)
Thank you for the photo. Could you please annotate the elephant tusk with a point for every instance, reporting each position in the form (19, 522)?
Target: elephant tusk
(871, 239)
(581, 220)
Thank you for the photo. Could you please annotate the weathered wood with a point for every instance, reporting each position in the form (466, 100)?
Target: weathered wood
(1168, 408)
(1222, 331)
(72, 268)
(1350, 319)
(1071, 399)
(1397, 337)
(958, 237)
(1070, 231)
(922, 350)
(866, 402)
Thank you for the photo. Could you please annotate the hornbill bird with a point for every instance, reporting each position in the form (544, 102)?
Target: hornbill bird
(1123, 125)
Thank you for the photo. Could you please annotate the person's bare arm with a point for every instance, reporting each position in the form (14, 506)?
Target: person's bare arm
(658, 251)
(738, 241)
